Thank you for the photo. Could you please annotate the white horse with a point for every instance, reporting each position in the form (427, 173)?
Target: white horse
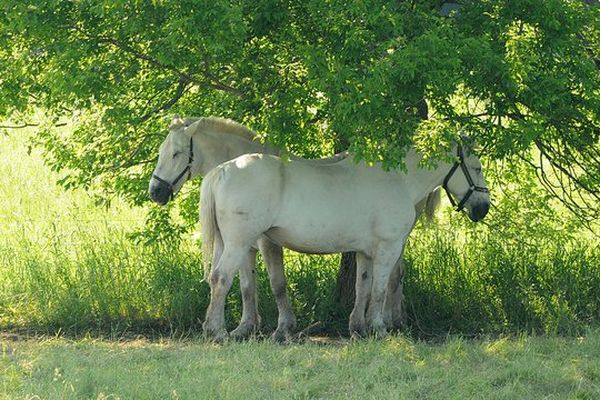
(194, 146)
(324, 209)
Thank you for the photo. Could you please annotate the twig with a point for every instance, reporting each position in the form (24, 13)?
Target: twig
(29, 124)
(181, 89)
(304, 332)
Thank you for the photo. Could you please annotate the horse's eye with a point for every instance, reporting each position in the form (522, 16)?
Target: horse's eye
(478, 170)
(176, 154)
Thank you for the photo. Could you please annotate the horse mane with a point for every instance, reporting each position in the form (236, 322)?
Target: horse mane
(221, 125)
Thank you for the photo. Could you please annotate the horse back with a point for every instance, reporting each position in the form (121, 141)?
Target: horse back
(326, 208)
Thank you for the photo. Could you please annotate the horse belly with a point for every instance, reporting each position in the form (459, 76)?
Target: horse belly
(311, 226)
(314, 242)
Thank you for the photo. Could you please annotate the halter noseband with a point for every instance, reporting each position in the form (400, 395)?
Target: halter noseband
(188, 170)
(465, 170)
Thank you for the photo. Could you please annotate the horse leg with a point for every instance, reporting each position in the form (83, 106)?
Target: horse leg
(273, 256)
(364, 278)
(383, 264)
(399, 305)
(250, 321)
(221, 278)
(394, 310)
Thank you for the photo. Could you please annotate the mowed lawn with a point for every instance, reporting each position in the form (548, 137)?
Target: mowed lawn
(397, 368)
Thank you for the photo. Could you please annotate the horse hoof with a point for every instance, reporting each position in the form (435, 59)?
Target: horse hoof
(218, 337)
(242, 333)
(399, 323)
(358, 330)
(280, 336)
(379, 334)
(215, 335)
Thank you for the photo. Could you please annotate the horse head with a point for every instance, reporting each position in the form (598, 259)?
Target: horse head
(175, 161)
(465, 183)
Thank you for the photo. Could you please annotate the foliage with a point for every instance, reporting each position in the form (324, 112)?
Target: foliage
(308, 75)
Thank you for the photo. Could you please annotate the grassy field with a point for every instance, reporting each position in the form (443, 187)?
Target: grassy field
(69, 266)
(69, 270)
(399, 368)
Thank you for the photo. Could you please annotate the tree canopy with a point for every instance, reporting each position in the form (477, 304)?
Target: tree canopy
(520, 76)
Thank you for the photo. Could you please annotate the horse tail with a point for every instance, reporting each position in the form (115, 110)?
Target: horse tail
(433, 201)
(208, 217)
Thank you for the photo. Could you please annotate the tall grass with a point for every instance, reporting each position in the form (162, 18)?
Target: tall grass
(66, 265)
(481, 285)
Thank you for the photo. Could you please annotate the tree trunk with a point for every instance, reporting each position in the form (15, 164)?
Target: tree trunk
(345, 290)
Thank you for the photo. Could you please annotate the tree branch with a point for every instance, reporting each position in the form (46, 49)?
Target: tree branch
(180, 91)
(29, 124)
(545, 151)
(24, 125)
(210, 80)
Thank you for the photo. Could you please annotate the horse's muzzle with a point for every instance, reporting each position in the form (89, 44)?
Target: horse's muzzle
(161, 193)
(479, 211)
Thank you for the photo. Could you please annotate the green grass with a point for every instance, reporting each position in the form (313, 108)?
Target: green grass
(68, 266)
(479, 284)
(69, 270)
(523, 368)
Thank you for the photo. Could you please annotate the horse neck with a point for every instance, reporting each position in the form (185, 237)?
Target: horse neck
(422, 181)
(215, 148)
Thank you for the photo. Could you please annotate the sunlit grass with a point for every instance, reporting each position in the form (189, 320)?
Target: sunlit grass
(507, 368)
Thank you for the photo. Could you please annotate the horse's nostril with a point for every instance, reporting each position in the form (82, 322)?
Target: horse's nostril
(160, 194)
(480, 211)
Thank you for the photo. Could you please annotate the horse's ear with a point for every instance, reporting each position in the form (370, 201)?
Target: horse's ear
(469, 144)
(191, 125)
(176, 122)
(466, 140)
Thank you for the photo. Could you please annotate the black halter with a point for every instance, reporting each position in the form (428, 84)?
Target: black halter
(188, 170)
(465, 170)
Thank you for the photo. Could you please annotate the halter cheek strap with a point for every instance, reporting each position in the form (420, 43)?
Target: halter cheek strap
(472, 187)
(187, 169)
